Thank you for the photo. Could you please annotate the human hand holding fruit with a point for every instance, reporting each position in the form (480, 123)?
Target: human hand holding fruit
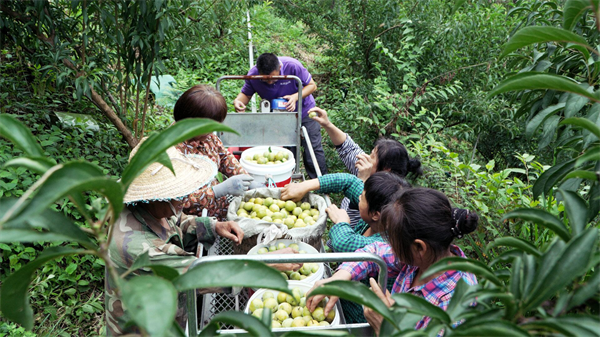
(294, 191)
(291, 102)
(239, 106)
(337, 215)
(230, 230)
(320, 116)
(373, 318)
(313, 301)
(285, 266)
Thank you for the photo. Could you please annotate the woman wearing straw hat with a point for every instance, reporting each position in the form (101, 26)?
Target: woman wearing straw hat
(153, 222)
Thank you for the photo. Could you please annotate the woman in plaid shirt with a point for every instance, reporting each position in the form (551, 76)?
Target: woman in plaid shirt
(370, 197)
(420, 226)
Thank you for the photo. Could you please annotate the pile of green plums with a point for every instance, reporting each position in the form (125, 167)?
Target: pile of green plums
(290, 311)
(289, 213)
(306, 270)
(268, 158)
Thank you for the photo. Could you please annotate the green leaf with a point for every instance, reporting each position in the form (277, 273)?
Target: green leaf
(56, 227)
(585, 291)
(19, 134)
(540, 117)
(535, 81)
(419, 305)
(312, 332)
(541, 34)
(575, 102)
(490, 328)
(357, 293)
(572, 263)
(583, 123)
(548, 131)
(573, 10)
(143, 261)
(239, 273)
(253, 325)
(573, 325)
(588, 175)
(576, 211)
(540, 217)
(34, 164)
(514, 242)
(157, 144)
(459, 301)
(458, 263)
(591, 154)
(63, 180)
(14, 300)
(549, 178)
(151, 302)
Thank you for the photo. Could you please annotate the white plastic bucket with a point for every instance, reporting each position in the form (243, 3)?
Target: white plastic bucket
(303, 246)
(281, 173)
(304, 287)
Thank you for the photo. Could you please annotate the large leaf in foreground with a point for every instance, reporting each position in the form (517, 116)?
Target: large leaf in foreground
(143, 261)
(515, 243)
(54, 225)
(238, 273)
(572, 263)
(575, 325)
(576, 210)
(586, 291)
(16, 132)
(574, 9)
(458, 263)
(551, 177)
(14, 301)
(253, 325)
(357, 293)
(34, 164)
(63, 180)
(490, 328)
(583, 123)
(421, 306)
(536, 81)
(540, 217)
(156, 145)
(151, 302)
(541, 34)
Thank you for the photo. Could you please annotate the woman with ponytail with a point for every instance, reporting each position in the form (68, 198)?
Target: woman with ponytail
(420, 227)
(387, 155)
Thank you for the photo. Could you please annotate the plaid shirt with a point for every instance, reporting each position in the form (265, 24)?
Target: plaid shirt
(437, 291)
(348, 151)
(343, 237)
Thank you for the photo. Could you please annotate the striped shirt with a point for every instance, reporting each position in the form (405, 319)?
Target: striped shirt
(348, 151)
(438, 291)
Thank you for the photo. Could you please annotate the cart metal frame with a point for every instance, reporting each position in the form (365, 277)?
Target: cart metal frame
(277, 128)
(226, 302)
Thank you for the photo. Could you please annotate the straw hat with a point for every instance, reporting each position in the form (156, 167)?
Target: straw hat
(157, 182)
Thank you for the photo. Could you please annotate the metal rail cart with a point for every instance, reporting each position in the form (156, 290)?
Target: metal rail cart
(216, 303)
(260, 129)
(283, 129)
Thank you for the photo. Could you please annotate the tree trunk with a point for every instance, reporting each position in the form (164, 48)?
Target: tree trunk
(112, 116)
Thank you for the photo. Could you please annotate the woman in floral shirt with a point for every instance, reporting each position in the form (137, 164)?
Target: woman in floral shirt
(203, 101)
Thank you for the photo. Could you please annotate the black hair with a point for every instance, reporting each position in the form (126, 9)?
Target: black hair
(381, 187)
(424, 214)
(201, 101)
(267, 63)
(393, 156)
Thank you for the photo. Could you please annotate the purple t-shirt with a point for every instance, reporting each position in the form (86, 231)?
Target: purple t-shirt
(289, 66)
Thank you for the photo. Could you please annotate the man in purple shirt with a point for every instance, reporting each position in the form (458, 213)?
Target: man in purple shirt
(270, 64)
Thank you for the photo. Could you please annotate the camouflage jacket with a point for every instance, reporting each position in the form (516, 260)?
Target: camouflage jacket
(135, 232)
